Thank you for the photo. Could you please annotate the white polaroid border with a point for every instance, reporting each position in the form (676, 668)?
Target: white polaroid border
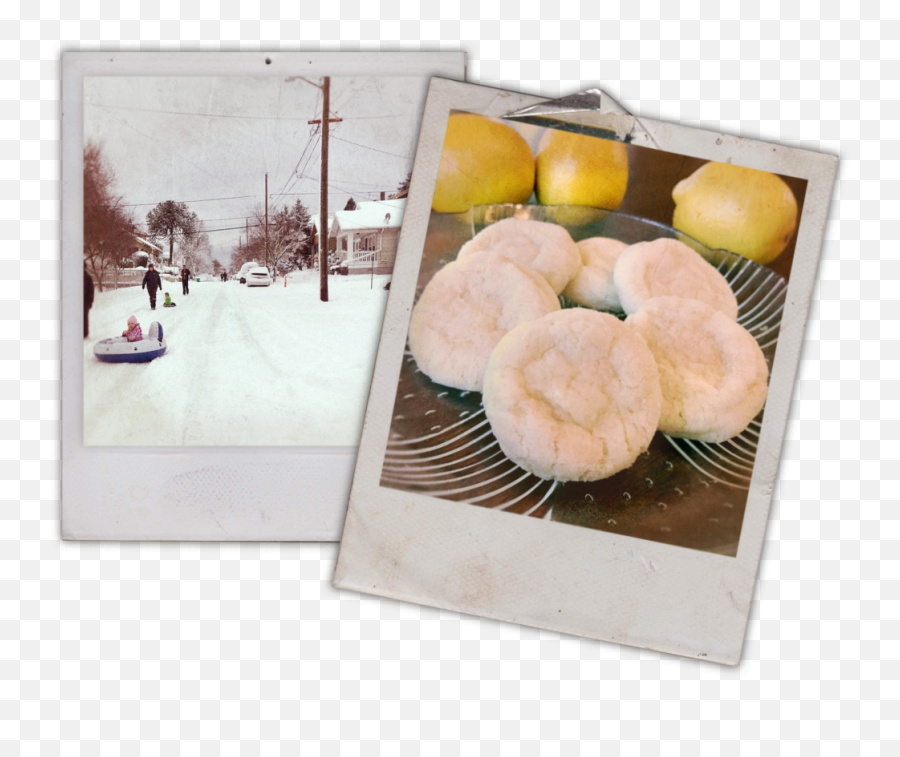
(553, 575)
(184, 493)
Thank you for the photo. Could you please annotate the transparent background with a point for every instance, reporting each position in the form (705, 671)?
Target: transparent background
(142, 648)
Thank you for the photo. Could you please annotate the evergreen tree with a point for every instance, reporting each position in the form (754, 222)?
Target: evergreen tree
(173, 221)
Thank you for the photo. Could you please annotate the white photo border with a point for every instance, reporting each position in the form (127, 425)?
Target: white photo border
(552, 575)
(194, 493)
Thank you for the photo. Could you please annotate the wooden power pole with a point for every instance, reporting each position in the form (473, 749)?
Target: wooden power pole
(323, 190)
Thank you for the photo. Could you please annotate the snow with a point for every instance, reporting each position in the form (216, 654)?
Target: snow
(269, 366)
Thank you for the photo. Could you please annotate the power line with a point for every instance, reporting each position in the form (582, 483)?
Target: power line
(230, 115)
(229, 228)
(312, 137)
(208, 199)
(303, 154)
(156, 141)
(374, 149)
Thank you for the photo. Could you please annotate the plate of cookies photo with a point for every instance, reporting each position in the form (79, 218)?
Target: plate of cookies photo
(593, 332)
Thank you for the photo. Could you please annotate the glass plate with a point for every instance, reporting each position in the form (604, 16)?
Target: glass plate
(679, 491)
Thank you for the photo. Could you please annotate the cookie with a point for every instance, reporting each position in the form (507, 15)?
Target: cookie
(543, 247)
(465, 310)
(667, 267)
(593, 285)
(712, 372)
(572, 396)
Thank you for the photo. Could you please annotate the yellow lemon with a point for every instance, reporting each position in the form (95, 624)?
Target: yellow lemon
(750, 212)
(573, 169)
(484, 162)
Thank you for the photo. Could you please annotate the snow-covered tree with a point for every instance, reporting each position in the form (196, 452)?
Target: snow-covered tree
(196, 252)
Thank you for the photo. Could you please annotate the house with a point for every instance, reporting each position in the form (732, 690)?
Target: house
(145, 247)
(366, 238)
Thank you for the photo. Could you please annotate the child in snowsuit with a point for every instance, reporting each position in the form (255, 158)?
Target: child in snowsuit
(133, 332)
(168, 303)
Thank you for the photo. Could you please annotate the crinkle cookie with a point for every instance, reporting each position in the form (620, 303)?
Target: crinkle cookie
(593, 285)
(465, 310)
(572, 396)
(667, 267)
(543, 247)
(712, 372)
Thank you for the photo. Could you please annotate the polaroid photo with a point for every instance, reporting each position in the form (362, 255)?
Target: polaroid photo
(585, 371)
(217, 388)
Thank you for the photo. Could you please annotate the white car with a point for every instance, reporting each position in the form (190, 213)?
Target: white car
(245, 270)
(258, 277)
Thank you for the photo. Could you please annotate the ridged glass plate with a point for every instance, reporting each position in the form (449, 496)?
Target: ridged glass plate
(679, 491)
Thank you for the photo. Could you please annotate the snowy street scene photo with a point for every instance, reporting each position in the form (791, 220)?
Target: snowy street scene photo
(228, 300)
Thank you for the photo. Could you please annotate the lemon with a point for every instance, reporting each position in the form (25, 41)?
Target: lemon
(573, 169)
(484, 161)
(750, 212)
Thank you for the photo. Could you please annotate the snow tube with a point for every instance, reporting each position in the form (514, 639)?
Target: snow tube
(120, 350)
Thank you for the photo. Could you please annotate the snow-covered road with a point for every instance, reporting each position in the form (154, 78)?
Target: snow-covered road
(259, 366)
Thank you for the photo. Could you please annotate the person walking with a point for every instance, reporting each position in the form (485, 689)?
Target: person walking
(88, 297)
(153, 283)
(185, 279)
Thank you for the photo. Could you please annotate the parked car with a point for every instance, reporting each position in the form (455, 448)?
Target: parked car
(259, 277)
(242, 274)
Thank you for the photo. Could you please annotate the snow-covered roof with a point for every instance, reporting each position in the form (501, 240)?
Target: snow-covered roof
(149, 244)
(314, 220)
(371, 215)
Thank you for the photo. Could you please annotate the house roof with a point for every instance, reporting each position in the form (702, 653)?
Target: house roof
(314, 220)
(149, 244)
(371, 215)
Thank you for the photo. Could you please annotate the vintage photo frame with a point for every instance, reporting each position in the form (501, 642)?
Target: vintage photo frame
(594, 583)
(195, 493)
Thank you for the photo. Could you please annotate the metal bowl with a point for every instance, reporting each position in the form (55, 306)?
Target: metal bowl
(681, 492)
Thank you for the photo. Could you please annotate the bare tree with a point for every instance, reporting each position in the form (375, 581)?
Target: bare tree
(108, 225)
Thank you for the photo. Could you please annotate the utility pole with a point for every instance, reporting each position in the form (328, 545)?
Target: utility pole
(267, 220)
(323, 193)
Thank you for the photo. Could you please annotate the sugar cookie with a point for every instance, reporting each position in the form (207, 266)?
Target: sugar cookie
(465, 310)
(712, 372)
(543, 247)
(572, 396)
(667, 267)
(593, 285)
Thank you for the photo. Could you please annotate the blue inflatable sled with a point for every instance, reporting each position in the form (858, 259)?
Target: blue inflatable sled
(120, 350)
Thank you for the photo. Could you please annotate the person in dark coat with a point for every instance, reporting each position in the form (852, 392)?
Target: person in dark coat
(185, 278)
(88, 297)
(153, 283)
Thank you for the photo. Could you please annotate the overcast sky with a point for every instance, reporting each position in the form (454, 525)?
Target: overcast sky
(201, 140)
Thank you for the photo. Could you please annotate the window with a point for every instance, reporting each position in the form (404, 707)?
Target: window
(367, 244)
